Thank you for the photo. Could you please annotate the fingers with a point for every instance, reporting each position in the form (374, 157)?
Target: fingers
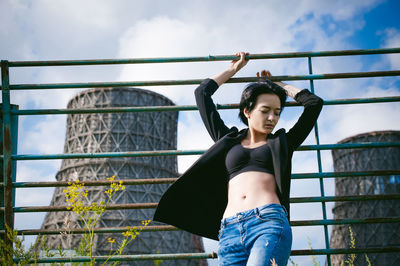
(242, 56)
(264, 74)
(237, 64)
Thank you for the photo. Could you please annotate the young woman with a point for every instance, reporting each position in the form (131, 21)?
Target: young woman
(238, 191)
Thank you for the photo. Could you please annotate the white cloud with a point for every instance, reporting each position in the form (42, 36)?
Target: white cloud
(166, 37)
(45, 137)
(360, 118)
(192, 135)
(391, 38)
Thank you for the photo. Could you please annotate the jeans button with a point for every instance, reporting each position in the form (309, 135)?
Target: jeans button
(239, 216)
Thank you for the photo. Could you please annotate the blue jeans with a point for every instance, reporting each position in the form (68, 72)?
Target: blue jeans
(255, 237)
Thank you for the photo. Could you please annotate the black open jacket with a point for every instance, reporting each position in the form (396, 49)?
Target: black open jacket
(197, 200)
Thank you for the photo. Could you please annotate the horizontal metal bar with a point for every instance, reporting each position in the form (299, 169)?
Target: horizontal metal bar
(344, 174)
(191, 152)
(108, 110)
(154, 205)
(198, 81)
(344, 198)
(305, 252)
(184, 107)
(106, 155)
(345, 221)
(102, 230)
(178, 256)
(129, 206)
(173, 179)
(89, 183)
(153, 228)
(200, 59)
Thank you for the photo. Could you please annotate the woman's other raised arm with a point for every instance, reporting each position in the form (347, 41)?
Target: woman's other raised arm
(312, 108)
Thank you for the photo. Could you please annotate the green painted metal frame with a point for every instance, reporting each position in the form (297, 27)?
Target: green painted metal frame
(9, 155)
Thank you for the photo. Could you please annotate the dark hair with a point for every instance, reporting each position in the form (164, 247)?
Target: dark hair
(253, 90)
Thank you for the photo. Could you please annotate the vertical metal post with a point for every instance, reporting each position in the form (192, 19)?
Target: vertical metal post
(2, 188)
(7, 150)
(321, 180)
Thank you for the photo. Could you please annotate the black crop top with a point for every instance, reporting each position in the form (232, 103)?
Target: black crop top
(240, 159)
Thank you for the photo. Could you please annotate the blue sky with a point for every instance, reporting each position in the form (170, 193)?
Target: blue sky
(51, 30)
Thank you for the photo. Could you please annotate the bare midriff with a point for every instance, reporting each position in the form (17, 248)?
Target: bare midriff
(250, 190)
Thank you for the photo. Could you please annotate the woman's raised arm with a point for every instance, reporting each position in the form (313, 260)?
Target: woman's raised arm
(312, 108)
(208, 112)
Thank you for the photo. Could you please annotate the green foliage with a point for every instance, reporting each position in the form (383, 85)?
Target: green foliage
(313, 257)
(349, 261)
(292, 262)
(89, 216)
(157, 262)
(352, 258)
(17, 249)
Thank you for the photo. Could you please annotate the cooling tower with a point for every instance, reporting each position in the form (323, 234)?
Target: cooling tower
(120, 132)
(376, 234)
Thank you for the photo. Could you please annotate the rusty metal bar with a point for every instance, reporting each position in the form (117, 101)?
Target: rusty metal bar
(130, 206)
(178, 256)
(154, 228)
(154, 205)
(147, 181)
(100, 230)
(344, 251)
(345, 174)
(198, 81)
(185, 107)
(345, 221)
(2, 187)
(7, 173)
(344, 198)
(191, 152)
(201, 59)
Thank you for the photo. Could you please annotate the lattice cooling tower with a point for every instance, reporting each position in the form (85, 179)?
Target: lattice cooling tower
(115, 132)
(368, 235)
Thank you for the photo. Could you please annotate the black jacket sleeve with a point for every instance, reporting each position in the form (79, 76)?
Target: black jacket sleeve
(208, 112)
(312, 107)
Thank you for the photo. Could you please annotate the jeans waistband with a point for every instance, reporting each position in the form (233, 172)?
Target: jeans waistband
(249, 213)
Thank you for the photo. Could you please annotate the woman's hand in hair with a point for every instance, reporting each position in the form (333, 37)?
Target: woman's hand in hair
(234, 67)
(290, 90)
(265, 74)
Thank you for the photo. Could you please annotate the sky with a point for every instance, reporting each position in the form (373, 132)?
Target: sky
(72, 29)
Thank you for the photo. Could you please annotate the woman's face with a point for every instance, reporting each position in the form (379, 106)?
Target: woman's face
(265, 115)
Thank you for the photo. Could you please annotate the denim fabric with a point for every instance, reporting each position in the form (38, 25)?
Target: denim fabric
(256, 236)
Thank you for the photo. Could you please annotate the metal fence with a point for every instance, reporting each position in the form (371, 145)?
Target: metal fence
(9, 157)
